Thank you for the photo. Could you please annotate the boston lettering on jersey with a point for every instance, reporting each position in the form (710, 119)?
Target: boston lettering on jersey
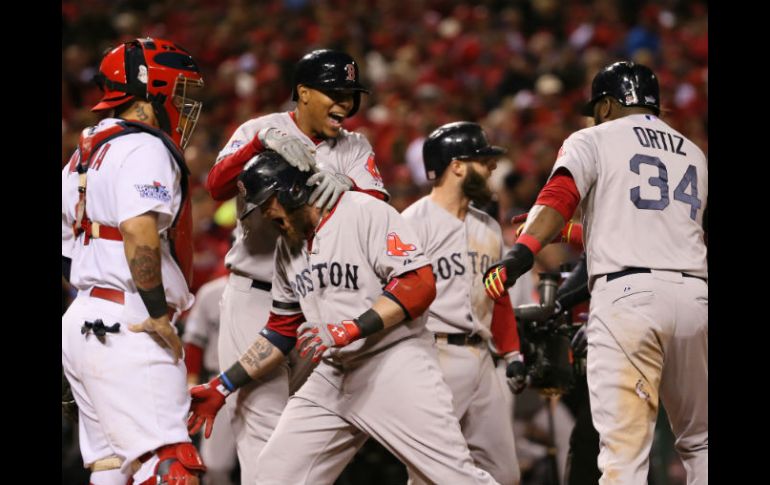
(659, 139)
(325, 274)
(447, 266)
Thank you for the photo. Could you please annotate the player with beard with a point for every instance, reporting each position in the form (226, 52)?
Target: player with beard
(461, 242)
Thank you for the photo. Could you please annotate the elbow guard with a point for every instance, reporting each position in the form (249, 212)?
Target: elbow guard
(413, 291)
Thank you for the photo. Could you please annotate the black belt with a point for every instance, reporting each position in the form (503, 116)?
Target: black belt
(626, 272)
(261, 285)
(459, 338)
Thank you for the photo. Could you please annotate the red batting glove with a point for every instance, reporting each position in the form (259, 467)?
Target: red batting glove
(207, 400)
(317, 337)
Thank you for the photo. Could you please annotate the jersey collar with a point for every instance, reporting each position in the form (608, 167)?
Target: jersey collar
(315, 140)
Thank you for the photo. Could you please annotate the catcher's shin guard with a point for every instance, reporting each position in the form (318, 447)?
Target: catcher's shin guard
(178, 464)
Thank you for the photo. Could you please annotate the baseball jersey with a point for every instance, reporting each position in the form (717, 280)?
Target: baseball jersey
(460, 252)
(361, 245)
(644, 188)
(202, 325)
(128, 176)
(349, 154)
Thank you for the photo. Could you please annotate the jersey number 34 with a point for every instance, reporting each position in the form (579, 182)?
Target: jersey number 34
(689, 181)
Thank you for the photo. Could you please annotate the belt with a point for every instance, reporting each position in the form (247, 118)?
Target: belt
(458, 338)
(261, 285)
(626, 272)
(117, 296)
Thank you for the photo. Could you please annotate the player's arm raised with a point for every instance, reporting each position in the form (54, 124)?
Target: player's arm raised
(405, 296)
(142, 248)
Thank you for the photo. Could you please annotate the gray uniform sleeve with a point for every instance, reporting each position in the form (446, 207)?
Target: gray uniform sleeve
(285, 300)
(579, 155)
(361, 166)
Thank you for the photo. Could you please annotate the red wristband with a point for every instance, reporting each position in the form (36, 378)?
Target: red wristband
(531, 242)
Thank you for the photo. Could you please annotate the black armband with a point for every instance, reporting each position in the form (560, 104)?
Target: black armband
(155, 301)
(66, 265)
(281, 342)
(369, 322)
(235, 377)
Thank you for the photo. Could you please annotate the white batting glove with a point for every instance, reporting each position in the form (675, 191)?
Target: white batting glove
(289, 147)
(516, 372)
(330, 187)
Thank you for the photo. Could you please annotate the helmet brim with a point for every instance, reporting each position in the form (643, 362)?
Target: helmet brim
(486, 152)
(105, 104)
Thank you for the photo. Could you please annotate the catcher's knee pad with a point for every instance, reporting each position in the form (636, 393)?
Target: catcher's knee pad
(178, 464)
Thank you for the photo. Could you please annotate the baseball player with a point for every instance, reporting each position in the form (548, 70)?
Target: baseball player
(327, 89)
(378, 375)
(124, 199)
(644, 188)
(461, 242)
(201, 334)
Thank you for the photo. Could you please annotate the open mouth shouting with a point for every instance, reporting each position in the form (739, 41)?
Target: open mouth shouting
(335, 119)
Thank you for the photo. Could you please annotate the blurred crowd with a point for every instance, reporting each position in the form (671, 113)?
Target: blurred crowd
(521, 68)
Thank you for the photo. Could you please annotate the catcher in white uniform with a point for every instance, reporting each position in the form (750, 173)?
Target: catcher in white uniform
(644, 187)
(461, 242)
(378, 375)
(125, 203)
(327, 89)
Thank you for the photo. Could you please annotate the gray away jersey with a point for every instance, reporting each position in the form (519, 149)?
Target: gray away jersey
(460, 252)
(644, 189)
(349, 154)
(357, 249)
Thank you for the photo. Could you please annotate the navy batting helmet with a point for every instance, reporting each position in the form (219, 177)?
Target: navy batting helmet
(461, 140)
(329, 70)
(269, 174)
(631, 84)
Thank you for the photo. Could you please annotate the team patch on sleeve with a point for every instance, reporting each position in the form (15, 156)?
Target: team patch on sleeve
(371, 167)
(230, 149)
(155, 191)
(396, 247)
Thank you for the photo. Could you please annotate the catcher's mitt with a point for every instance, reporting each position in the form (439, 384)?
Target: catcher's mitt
(69, 407)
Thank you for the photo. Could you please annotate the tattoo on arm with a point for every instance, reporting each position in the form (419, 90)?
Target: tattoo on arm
(140, 114)
(145, 267)
(257, 354)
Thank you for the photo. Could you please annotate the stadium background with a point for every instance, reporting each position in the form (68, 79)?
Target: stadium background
(520, 68)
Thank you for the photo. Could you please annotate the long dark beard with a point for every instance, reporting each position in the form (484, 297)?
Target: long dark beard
(475, 188)
(299, 226)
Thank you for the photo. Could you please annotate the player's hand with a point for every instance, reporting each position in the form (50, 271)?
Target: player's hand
(207, 400)
(503, 274)
(579, 342)
(289, 147)
(329, 187)
(315, 338)
(164, 334)
(516, 372)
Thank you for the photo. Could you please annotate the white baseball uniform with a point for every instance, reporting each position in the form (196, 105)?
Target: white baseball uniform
(202, 329)
(644, 187)
(132, 397)
(387, 385)
(460, 252)
(246, 300)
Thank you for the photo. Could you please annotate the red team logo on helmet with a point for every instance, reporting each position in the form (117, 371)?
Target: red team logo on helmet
(396, 247)
(351, 70)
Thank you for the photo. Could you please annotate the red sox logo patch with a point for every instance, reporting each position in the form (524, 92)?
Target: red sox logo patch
(351, 72)
(396, 247)
(371, 167)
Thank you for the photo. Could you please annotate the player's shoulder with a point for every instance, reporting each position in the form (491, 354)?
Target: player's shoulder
(689, 146)
(353, 139)
(483, 217)
(253, 125)
(419, 208)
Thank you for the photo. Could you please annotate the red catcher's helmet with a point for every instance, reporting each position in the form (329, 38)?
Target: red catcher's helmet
(157, 71)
